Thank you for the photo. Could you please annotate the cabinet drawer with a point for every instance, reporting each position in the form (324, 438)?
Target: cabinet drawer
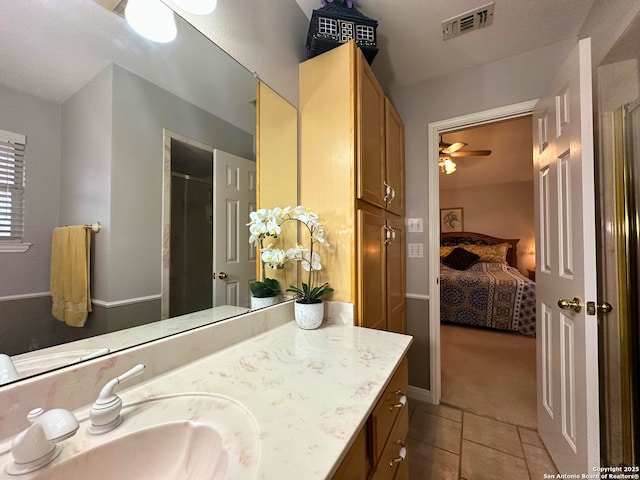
(387, 410)
(390, 467)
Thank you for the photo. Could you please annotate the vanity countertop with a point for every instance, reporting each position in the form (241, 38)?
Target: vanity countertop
(309, 391)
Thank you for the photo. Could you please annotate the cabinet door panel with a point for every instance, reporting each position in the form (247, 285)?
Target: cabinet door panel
(394, 159)
(371, 269)
(396, 268)
(370, 135)
(356, 464)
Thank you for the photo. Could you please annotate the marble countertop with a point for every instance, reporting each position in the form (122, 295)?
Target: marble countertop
(309, 392)
(43, 360)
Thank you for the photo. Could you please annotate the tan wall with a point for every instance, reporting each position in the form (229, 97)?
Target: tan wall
(503, 210)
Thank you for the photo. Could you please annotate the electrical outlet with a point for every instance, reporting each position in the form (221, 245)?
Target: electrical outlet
(414, 250)
(414, 225)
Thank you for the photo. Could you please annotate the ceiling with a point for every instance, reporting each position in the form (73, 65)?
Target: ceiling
(51, 52)
(511, 159)
(410, 35)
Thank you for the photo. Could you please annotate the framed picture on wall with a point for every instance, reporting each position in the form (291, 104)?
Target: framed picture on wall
(451, 220)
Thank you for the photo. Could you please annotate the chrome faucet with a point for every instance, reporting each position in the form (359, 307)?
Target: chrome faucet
(37, 446)
(105, 412)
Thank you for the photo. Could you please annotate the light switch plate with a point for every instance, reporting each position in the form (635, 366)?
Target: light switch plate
(415, 225)
(415, 250)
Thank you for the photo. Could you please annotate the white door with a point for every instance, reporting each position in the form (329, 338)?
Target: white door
(234, 259)
(567, 344)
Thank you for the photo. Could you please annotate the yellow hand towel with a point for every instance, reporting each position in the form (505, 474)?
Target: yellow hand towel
(70, 247)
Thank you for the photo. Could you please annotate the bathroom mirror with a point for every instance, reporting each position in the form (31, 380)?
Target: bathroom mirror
(98, 105)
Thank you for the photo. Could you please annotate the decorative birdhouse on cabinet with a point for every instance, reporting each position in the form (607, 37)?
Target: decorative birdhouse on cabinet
(338, 22)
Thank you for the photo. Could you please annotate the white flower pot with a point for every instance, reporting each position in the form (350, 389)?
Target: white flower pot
(309, 315)
(257, 302)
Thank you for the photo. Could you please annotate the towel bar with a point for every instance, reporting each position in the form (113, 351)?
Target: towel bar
(95, 227)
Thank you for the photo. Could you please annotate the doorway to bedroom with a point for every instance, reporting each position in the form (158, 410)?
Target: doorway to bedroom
(488, 357)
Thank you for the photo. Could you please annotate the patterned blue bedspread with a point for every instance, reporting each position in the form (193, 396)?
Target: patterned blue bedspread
(492, 295)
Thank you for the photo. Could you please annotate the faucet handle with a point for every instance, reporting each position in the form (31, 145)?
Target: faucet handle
(8, 372)
(58, 424)
(36, 447)
(105, 412)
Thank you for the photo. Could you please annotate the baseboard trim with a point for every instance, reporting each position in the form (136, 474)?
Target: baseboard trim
(421, 394)
(417, 296)
(24, 296)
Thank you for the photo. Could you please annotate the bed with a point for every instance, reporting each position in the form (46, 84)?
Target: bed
(490, 291)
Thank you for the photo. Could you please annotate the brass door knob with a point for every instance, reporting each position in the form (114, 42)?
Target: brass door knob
(575, 304)
(222, 275)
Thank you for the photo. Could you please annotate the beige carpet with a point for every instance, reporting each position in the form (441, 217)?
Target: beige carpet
(490, 373)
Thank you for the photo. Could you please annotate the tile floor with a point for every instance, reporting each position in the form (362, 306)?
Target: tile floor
(446, 443)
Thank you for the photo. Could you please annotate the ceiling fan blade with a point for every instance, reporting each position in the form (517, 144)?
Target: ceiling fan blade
(452, 147)
(471, 153)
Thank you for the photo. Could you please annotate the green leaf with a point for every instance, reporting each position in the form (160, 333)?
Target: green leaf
(306, 295)
(268, 288)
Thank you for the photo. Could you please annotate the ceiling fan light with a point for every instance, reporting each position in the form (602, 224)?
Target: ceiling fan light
(152, 19)
(197, 7)
(447, 166)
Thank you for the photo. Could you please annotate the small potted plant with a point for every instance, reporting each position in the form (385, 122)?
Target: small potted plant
(309, 307)
(264, 223)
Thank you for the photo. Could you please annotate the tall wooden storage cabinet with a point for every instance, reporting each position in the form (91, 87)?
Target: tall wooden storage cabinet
(352, 174)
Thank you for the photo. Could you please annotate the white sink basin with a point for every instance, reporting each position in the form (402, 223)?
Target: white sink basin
(191, 436)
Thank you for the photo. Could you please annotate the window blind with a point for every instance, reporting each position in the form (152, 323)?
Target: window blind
(12, 146)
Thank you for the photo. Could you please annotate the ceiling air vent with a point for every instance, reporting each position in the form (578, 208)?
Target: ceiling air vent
(468, 21)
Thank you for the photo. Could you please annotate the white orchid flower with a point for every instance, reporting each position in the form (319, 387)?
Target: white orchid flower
(273, 257)
(272, 228)
(318, 236)
(312, 262)
(305, 215)
(296, 253)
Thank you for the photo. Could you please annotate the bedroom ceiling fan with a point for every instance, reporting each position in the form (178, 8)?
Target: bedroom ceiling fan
(447, 151)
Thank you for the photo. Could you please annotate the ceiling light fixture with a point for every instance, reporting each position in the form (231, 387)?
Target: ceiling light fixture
(447, 165)
(152, 19)
(197, 7)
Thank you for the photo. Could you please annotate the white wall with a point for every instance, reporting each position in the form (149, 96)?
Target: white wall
(140, 111)
(39, 120)
(267, 37)
(605, 24)
(85, 195)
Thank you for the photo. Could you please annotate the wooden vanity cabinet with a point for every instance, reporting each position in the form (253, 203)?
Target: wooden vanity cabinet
(381, 270)
(357, 464)
(380, 143)
(352, 175)
(394, 159)
(395, 258)
(375, 454)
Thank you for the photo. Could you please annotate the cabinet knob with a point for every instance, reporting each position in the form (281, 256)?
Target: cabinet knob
(401, 403)
(402, 454)
(390, 235)
(393, 195)
(387, 191)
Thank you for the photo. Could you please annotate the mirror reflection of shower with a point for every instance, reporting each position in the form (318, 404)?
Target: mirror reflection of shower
(191, 234)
